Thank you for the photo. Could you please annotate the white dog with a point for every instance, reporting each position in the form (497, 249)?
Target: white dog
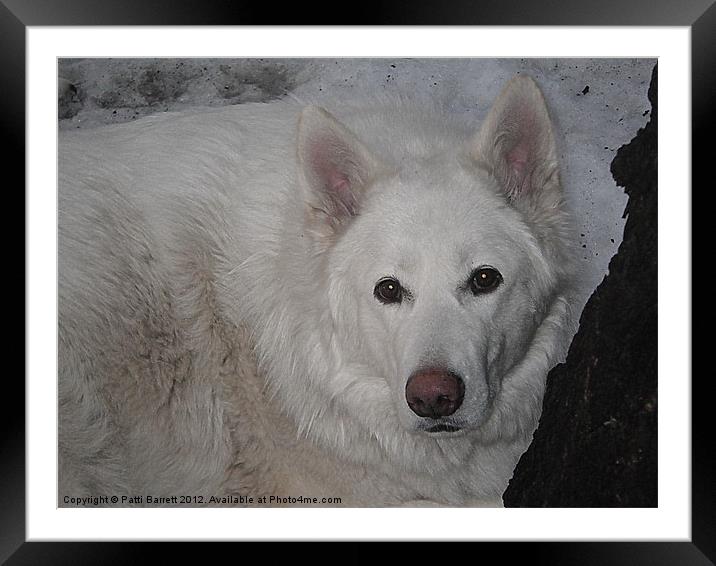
(265, 301)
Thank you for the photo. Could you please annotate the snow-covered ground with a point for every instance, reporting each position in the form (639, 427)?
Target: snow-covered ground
(597, 104)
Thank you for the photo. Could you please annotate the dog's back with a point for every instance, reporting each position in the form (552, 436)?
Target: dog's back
(140, 218)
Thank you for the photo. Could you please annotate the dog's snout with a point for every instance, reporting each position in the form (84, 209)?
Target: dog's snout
(434, 393)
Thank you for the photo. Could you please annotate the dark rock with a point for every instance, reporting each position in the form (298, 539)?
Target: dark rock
(160, 85)
(255, 82)
(70, 99)
(596, 445)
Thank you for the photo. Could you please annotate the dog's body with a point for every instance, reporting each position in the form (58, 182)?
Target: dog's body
(365, 312)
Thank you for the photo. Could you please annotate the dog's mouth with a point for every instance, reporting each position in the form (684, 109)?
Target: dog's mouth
(443, 428)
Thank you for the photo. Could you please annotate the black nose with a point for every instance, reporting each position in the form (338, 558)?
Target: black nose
(434, 393)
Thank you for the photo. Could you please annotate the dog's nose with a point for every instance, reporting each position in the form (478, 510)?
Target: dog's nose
(434, 393)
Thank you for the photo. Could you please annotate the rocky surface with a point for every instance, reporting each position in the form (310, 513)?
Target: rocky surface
(596, 445)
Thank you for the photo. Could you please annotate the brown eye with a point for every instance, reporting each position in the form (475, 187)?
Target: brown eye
(484, 280)
(388, 291)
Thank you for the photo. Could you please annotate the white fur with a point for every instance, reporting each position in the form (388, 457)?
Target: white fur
(218, 332)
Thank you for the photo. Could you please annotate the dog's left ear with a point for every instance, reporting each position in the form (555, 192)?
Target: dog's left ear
(335, 165)
(516, 145)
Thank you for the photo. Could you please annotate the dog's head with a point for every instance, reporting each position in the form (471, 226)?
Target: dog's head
(440, 264)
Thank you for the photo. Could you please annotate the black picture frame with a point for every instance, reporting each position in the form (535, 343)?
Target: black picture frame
(699, 15)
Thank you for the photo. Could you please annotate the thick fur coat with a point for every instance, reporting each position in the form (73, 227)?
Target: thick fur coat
(225, 325)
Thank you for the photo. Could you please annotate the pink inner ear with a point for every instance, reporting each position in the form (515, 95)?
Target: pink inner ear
(518, 161)
(517, 158)
(340, 187)
(523, 130)
(325, 157)
(339, 184)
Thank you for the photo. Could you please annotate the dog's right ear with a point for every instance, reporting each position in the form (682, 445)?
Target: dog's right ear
(335, 165)
(517, 145)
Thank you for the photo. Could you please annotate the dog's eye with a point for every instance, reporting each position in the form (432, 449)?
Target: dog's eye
(388, 291)
(484, 280)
